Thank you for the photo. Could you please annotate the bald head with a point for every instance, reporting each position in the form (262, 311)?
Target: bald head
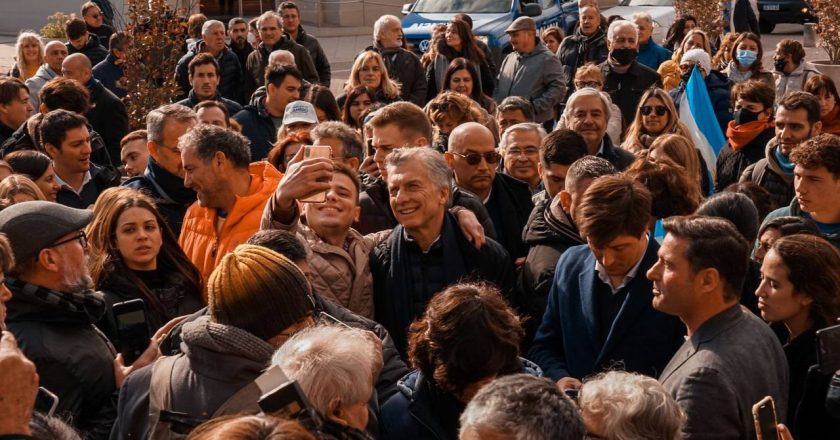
(54, 54)
(470, 133)
(77, 67)
(281, 57)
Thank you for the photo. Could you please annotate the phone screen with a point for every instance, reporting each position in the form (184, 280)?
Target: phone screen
(764, 415)
(312, 152)
(132, 330)
(45, 401)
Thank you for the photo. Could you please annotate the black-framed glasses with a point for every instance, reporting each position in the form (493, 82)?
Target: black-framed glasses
(660, 110)
(81, 236)
(440, 106)
(492, 157)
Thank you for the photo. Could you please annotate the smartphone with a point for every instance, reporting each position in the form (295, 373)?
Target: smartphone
(132, 330)
(764, 416)
(45, 402)
(370, 150)
(313, 152)
(828, 349)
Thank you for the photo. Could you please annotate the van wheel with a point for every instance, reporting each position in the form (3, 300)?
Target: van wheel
(766, 27)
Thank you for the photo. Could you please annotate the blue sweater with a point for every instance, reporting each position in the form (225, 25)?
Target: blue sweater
(652, 54)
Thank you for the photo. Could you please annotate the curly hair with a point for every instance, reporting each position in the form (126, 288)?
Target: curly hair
(468, 333)
(673, 190)
(820, 151)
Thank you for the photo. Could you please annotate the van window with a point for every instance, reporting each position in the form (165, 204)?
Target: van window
(547, 3)
(463, 6)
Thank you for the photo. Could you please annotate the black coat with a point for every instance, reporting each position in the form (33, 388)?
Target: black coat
(242, 53)
(731, 163)
(6, 132)
(109, 117)
(109, 74)
(171, 196)
(316, 52)
(74, 360)
(768, 174)
(230, 78)
(376, 214)
(547, 236)
(626, 89)
(101, 178)
(744, 19)
(577, 50)
(254, 75)
(404, 67)
(104, 33)
(618, 157)
(258, 127)
(22, 139)
(807, 417)
(512, 197)
(94, 49)
(718, 86)
(191, 101)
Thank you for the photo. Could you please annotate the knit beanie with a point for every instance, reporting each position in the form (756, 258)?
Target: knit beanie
(259, 291)
(700, 57)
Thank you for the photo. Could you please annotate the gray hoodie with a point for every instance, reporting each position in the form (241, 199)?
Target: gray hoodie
(537, 77)
(36, 83)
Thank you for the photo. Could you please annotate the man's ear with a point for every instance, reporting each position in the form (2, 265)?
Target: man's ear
(817, 128)
(51, 150)
(42, 108)
(48, 260)
(219, 159)
(190, 79)
(566, 201)
(353, 163)
(422, 142)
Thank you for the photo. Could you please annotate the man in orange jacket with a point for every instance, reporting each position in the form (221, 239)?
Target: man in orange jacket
(232, 193)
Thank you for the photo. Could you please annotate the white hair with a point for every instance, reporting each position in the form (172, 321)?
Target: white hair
(381, 22)
(275, 56)
(523, 126)
(269, 14)
(209, 24)
(643, 16)
(619, 25)
(331, 362)
(437, 168)
(630, 405)
(588, 92)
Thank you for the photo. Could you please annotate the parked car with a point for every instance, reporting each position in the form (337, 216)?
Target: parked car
(490, 19)
(773, 12)
(662, 12)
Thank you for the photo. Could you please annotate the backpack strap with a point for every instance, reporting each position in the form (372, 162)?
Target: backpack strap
(243, 401)
(160, 395)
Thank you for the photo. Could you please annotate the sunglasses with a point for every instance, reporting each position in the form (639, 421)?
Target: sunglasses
(661, 110)
(440, 106)
(491, 157)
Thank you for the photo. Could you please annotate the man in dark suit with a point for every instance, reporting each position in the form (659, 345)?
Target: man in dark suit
(731, 359)
(599, 314)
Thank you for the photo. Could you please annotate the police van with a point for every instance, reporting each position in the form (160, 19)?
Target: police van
(490, 19)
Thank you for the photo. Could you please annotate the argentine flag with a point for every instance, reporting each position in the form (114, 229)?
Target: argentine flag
(697, 114)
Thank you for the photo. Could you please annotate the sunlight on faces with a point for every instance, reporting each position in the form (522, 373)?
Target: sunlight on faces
(168, 155)
(74, 155)
(391, 35)
(214, 39)
(385, 139)
(472, 139)
(645, 29)
(621, 254)
(453, 40)
(79, 43)
(54, 55)
(138, 238)
(205, 178)
(358, 106)
(652, 122)
(17, 111)
(205, 81)
(816, 190)
(778, 299)
(793, 128)
(291, 19)
(280, 97)
(47, 184)
(552, 44)
(522, 154)
(590, 20)
(827, 102)
(414, 198)
(71, 260)
(213, 116)
(134, 156)
(673, 278)
(554, 177)
(695, 42)
(270, 31)
(511, 117)
(339, 211)
(589, 119)
(523, 41)
(370, 74)
(239, 33)
(94, 17)
(461, 81)
(765, 241)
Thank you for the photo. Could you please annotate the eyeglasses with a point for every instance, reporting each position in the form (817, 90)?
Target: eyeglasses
(592, 84)
(661, 110)
(491, 157)
(440, 106)
(82, 237)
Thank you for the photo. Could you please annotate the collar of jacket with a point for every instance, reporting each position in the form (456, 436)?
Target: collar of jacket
(717, 324)
(538, 49)
(598, 35)
(93, 41)
(301, 36)
(283, 41)
(194, 99)
(170, 183)
(36, 303)
(264, 180)
(224, 339)
(772, 163)
(561, 224)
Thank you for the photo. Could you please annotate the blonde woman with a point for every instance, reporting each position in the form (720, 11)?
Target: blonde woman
(589, 75)
(369, 71)
(655, 116)
(451, 109)
(670, 70)
(30, 55)
(19, 188)
(681, 150)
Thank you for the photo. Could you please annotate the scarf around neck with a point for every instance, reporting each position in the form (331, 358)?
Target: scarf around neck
(87, 306)
(784, 163)
(741, 135)
(736, 75)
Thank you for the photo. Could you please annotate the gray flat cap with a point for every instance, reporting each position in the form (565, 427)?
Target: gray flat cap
(32, 226)
(522, 24)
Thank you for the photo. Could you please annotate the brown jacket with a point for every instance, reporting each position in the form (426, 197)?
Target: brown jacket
(338, 274)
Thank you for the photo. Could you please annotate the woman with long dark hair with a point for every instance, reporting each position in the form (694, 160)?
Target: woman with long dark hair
(323, 100)
(38, 167)
(358, 100)
(678, 30)
(136, 255)
(458, 42)
(462, 77)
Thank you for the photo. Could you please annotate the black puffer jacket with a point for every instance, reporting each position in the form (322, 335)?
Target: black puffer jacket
(258, 127)
(230, 79)
(547, 234)
(316, 52)
(768, 174)
(94, 49)
(376, 214)
(626, 89)
(578, 49)
(26, 137)
(404, 67)
(171, 196)
(731, 163)
(509, 207)
(108, 116)
(74, 360)
(258, 61)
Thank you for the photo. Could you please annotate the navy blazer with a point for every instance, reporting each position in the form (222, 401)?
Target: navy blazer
(641, 339)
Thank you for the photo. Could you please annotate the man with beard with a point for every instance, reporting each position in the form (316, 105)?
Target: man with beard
(53, 308)
(238, 33)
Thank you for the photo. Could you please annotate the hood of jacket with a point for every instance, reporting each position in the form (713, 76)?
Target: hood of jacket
(45, 72)
(546, 228)
(209, 345)
(772, 163)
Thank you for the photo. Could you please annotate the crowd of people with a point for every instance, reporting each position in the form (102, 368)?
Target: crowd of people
(456, 246)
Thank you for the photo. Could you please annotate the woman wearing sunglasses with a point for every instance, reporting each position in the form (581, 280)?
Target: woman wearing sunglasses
(655, 116)
(451, 109)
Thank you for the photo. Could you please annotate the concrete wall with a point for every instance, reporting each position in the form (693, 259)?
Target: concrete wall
(18, 15)
(347, 13)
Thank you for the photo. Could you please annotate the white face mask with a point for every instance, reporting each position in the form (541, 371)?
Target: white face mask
(251, 38)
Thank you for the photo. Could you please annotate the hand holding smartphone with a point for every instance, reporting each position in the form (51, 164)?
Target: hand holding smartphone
(313, 152)
(764, 417)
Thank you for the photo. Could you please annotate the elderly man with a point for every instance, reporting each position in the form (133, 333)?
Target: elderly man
(205, 75)
(473, 158)
(290, 14)
(213, 42)
(513, 110)
(531, 71)
(403, 66)
(651, 54)
(163, 177)
(521, 406)
(625, 79)
(399, 125)
(107, 115)
(53, 310)
(731, 359)
(231, 193)
(95, 21)
(586, 45)
(261, 119)
(271, 33)
(520, 148)
(336, 368)
(551, 231)
(589, 112)
(426, 252)
(54, 54)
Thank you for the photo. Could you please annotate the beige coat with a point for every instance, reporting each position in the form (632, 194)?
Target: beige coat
(341, 275)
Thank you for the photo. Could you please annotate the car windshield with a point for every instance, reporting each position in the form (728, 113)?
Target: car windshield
(463, 6)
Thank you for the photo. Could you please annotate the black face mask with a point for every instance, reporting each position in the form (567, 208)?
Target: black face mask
(780, 65)
(743, 116)
(686, 76)
(624, 56)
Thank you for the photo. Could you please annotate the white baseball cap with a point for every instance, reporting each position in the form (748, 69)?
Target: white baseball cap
(300, 111)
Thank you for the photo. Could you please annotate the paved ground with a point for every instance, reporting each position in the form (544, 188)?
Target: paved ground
(342, 49)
